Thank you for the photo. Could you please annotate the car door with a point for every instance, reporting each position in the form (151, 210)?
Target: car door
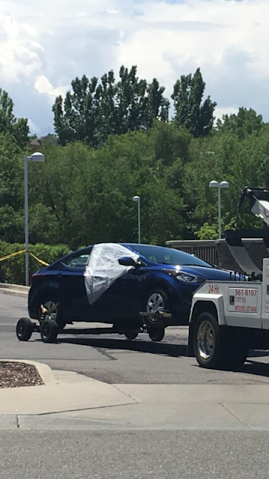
(122, 301)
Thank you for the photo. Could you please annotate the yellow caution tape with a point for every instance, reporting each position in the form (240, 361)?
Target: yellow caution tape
(20, 252)
(12, 254)
(39, 260)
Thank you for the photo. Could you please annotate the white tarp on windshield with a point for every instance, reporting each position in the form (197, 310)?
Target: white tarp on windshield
(104, 269)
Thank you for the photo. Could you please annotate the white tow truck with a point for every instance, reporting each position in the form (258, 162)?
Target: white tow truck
(228, 319)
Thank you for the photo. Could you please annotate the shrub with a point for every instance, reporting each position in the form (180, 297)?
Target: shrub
(12, 270)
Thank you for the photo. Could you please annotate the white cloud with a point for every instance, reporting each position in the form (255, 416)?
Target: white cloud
(33, 127)
(43, 85)
(44, 45)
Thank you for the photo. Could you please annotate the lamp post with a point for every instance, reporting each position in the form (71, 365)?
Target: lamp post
(137, 200)
(36, 158)
(216, 184)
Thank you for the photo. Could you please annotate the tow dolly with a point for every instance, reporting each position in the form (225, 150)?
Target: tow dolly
(151, 323)
(227, 319)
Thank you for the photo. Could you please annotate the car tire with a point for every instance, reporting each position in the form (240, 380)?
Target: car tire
(131, 334)
(24, 329)
(210, 342)
(49, 331)
(48, 301)
(156, 334)
(156, 299)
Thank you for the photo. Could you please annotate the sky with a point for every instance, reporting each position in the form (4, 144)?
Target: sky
(45, 44)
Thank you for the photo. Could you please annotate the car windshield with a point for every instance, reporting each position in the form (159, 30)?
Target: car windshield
(162, 255)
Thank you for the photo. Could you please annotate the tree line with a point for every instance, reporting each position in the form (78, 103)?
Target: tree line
(116, 140)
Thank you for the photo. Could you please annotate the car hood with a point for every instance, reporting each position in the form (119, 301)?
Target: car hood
(212, 274)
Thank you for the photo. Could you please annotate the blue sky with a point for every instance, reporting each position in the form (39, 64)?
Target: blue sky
(45, 44)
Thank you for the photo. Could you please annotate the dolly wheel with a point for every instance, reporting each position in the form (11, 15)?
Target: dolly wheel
(155, 333)
(49, 331)
(131, 333)
(24, 329)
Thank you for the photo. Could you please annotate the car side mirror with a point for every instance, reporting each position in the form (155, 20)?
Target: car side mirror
(128, 261)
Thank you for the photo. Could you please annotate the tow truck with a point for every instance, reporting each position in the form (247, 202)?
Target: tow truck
(227, 319)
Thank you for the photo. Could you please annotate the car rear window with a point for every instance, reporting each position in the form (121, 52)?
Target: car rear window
(77, 260)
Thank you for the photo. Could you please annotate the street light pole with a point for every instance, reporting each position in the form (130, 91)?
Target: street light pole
(137, 200)
(216, 184)
(26, 230)
(219, 211)
(36, 158)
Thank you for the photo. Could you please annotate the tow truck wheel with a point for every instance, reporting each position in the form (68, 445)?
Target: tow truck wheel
(131, 333)
(24, 329)
(156, 334)
(49, 331)
(209, 342)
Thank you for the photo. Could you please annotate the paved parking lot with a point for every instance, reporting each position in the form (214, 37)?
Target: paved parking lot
(113, 359)
(199, 436)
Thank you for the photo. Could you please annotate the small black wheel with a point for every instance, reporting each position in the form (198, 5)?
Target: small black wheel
(24, 329)
(131, 333)
(49, 331)
(156, 334)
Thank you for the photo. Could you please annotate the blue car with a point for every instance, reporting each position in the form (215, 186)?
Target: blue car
(161, 279)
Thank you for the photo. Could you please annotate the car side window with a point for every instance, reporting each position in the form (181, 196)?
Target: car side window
(77, 260)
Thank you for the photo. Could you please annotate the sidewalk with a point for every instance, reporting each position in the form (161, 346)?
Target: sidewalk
(73, 401)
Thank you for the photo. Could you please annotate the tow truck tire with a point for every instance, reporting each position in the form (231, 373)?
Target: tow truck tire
(210, 342)
(24, 329)
(156, 334)
(49, 331)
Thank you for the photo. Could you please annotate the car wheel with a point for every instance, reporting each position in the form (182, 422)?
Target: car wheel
(49, 331)
(156, 300)
(156, 334)
(24, 329)
(49, 301)
(131, 333)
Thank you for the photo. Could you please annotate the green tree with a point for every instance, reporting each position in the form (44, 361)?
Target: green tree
(245, 122)
(9, 124)
(191, 112)
(11, 189)
(93, 111)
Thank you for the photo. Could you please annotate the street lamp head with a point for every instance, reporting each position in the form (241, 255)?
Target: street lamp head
(224, 184)
(214, 184)
(136, 198)
(37, 157)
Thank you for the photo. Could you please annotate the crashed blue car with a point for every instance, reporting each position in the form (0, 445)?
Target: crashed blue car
(116, 284)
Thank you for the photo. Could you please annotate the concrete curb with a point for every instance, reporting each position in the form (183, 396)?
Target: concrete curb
(14, 288)
(43, 370)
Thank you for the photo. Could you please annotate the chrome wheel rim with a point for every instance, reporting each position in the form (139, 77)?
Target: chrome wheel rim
(205, 340)
(48, 305)
(155, 303)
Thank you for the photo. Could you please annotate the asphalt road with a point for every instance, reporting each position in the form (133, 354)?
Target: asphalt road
(113, 359)
(136, 455)
(102, 454)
